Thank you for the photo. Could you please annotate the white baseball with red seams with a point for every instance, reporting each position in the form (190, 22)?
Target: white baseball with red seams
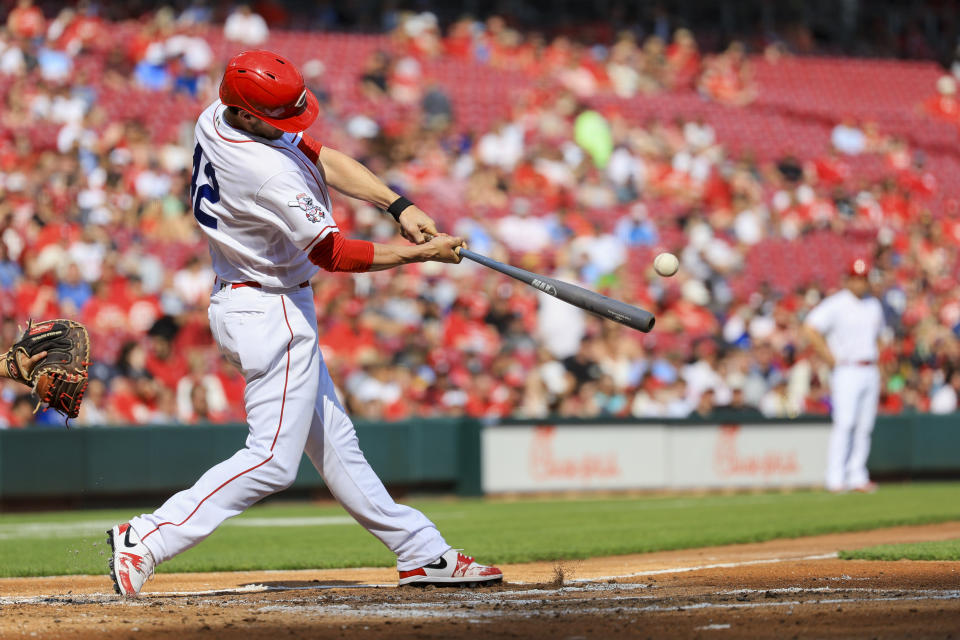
(263, 205)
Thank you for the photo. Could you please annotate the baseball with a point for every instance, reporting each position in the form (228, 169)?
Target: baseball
(666, 264)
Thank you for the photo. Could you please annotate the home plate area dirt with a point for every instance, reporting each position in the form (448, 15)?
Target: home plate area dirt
(778, 589)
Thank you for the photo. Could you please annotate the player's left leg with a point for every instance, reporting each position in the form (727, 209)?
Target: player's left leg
(868, 380)
(843, 398)
(333, 448)
(423, 556)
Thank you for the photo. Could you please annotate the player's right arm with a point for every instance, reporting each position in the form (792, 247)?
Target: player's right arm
(816, 325)
(336, 253)
(819, 344)
(438, 249)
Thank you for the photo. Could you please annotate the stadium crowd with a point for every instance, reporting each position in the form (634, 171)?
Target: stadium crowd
(95, 225)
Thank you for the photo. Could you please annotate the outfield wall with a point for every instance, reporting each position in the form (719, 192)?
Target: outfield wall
(438, 454)
(463, 456)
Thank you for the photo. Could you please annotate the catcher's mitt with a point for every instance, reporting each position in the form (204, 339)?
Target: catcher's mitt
(60, 378)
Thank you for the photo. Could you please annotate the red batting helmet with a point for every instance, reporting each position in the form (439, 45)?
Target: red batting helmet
(271, 88)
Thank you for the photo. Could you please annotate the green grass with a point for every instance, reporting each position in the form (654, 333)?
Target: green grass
(495, 531)
(943, 550)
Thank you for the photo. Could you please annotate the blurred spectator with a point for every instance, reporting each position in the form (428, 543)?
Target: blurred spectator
(705, 407)
(94, 411)
(776, 402)
(501, 147)
(683, 60)
(246, 27)
(74, 30)
(523, 231)
(737, 409)
(847, 138)
(191, 58)
(197, 12)
(405, 81)
(728, 77)
(944, 105)
(9, 269)
(560, 326)
(164, 362)
(21, 413)
(373, 82)
(26, 21)
(13, 61)
(193, 282)
(200, 395)
(437, 108)
(622, 66)
(313, 76)
(944, 400)
(73, 291)
(55, 66)
(418, 34)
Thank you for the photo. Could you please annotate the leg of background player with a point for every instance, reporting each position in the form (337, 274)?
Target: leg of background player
(843, 397)
(275, 344)
(869, 393)
(335, 451)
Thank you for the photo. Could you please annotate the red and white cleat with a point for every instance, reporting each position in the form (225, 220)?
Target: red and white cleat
(452, 568)
(131, 563)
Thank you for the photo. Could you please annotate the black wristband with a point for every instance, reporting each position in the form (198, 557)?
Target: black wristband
(397, 206)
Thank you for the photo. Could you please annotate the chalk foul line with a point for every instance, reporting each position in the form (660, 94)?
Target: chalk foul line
(704, 567)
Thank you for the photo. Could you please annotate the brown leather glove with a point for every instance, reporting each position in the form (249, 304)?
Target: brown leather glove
(60, 378)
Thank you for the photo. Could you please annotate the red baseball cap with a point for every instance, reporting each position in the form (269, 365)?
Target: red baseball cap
(270, 87)
(858, 267)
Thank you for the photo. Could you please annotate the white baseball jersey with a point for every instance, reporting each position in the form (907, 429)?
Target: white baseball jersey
(851, 326)
(262, 203)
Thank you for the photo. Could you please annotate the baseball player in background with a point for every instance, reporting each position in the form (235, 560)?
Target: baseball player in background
(845, 329)
(260, 193)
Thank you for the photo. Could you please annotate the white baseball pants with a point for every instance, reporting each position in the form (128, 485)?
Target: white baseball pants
(291, 409)
(855, 391)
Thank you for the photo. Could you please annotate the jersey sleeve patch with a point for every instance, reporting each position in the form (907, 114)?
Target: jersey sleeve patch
(310, 147)
(313, 211)
(300, 212)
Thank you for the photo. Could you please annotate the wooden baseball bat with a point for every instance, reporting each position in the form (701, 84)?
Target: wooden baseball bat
(591, 301)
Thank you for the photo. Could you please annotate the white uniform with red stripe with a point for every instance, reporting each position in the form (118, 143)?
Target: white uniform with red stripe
(263, 205)
(852, 327)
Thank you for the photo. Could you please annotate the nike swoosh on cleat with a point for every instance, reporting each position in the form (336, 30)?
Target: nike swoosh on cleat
(439, 564)
(126, 538)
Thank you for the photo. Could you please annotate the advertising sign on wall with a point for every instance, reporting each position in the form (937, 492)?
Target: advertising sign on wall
(757, 455)
(550, 458)
(518, 458)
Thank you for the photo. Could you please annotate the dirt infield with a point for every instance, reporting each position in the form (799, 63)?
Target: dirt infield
(783, 588)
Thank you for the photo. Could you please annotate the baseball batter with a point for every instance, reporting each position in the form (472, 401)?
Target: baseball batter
(260, 192)
(845, 330)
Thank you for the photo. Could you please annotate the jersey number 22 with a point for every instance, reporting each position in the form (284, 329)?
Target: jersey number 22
(209, 191)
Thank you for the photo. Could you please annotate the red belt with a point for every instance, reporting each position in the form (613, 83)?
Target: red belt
(857, 363)
(255, 285)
